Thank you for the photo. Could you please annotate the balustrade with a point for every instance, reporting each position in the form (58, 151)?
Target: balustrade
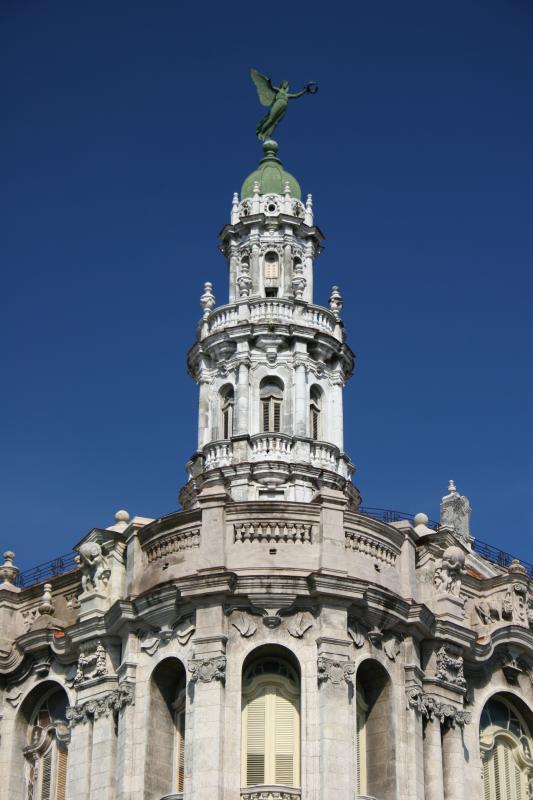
(218, 454)
(270, 793)
(279, 310)
(271, 446)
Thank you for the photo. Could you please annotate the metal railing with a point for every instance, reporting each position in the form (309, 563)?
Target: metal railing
(50, 569)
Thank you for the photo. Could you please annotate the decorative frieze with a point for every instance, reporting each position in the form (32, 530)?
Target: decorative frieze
(173, 543)
(335, 671)
(431, 708)
(272, 531)
(369, 545)
(207, 670)
(101, 706)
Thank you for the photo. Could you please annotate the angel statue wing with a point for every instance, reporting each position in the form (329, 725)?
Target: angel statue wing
(264, 88)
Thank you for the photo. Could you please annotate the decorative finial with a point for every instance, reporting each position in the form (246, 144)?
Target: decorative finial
(8, 571)
(46, 606)
(452, 489)
(277, 99)
(517, 567)
(122, 518)
(309, 211)
(420, 524)
(335, 301)
(235, 209)
(207, 300)
(256, 198)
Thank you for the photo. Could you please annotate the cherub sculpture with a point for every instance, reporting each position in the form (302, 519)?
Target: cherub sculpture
(277, 97)
(447, 577)
(95, 570)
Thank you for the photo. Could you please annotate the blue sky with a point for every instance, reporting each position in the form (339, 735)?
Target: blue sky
(126, 126)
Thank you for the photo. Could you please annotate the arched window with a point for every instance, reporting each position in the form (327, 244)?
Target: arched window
(165, 755)
(46, 751)
(506, 752)
(374, 744)
(271, 391)
(271, 273)
(315, 411)
(270, 724)
(227, 402)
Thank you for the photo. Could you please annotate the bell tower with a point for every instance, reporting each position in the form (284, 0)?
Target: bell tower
(271, 365)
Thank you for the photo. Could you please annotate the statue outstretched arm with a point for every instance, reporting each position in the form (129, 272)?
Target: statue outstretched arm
(310, 88)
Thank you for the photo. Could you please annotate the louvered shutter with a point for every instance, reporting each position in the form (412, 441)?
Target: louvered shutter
(277, 416)
(255, 739)
(284, 740)
(487, 769)
(61, 775)
(360, 751)
(180, 750)
(266, 415)
(46, 781)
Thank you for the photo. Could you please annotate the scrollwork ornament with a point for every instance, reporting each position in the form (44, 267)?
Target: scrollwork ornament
(335, 671)
(101, 706)
(208, 669)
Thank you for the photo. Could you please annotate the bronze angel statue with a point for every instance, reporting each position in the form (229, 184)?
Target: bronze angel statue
(277, 97)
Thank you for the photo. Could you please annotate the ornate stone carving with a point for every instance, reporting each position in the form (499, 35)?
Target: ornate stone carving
(335, 671)
(450, 666)
(94, 565)
(370, 546)
(91, 665)
(431, 708)
(447, 577)
(101, 706)
(13, 696)
(208, 669)
(357, 633)
(244, 624)
(335, 301)
(388, 641)
(8, 571)
(298, 626)
(512, 665)
(455, 513)
(270, 793)
(207, 300)
(182, 630)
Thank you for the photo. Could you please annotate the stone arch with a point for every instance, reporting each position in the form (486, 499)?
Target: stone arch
(316, 412)
(271, 396)
(165, 749)
(374, 732)
(226, 405)
(21, 733)
(270, 718)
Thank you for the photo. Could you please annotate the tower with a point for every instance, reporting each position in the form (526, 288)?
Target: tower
(271, 364)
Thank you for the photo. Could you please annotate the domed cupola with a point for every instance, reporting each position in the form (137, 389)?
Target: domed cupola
(270, 175)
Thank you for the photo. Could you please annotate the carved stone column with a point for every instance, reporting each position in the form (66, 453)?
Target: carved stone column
(79, 761)
(433, 775)
(203, 413)
(104, 757)
(300, 401)
(454, 764)
(243, 399)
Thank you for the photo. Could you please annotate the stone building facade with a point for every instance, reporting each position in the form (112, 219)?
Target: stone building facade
(272, 640)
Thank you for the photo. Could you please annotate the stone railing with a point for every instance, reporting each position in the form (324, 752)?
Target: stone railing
(324, 455)
(271, 311)
(263, 792)
(369, 545)
(173, 543)
(272, 531)
(275, 310)
(270, 446)
(218, 454)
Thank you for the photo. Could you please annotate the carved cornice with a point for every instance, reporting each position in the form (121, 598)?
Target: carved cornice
(431, 708)
(101, 706)
(335, 671)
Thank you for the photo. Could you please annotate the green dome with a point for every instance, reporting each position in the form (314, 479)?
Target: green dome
(270, 175)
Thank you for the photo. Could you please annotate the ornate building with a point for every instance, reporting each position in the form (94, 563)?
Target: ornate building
(272, 640)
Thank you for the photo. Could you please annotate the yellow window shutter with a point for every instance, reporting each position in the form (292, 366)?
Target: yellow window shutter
(46, 781)
(284, 740)
(61, 782)
(255, 739)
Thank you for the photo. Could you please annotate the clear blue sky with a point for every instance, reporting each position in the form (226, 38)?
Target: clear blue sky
(126, 126)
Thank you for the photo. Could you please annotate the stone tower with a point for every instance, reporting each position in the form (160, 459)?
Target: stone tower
(271, 365)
